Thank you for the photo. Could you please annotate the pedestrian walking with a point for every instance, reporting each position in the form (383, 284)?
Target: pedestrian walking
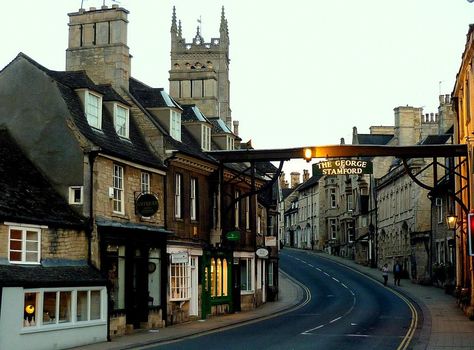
(397, 271)
(385, 274)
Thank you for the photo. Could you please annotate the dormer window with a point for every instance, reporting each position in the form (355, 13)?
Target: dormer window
(93, 108)
(230, 143)
(205, 138)
(175, 125)
(121, 120)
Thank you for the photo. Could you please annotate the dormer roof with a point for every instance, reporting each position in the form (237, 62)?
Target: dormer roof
(132, 149)
(219, 126)
(151, 97)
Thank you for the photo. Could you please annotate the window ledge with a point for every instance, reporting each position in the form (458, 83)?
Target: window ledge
(55, 327)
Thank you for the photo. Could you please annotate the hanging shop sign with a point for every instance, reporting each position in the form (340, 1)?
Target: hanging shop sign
(146, 204)
(262, 253)
(343, 167)
(233, 236)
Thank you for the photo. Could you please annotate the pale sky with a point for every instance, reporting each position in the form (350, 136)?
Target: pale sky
(302, 72)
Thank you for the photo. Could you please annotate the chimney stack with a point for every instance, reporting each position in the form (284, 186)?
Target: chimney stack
(98, 44)
(295, 179)
(305, 175)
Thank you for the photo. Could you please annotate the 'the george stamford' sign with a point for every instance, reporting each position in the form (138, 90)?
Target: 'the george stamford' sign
(343, 167)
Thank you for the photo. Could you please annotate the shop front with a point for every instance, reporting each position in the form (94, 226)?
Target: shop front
(133, 259)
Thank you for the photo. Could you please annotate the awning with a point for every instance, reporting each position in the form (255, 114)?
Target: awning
(102, 222)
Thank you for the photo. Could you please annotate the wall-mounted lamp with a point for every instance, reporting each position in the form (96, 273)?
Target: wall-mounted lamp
(451, 221)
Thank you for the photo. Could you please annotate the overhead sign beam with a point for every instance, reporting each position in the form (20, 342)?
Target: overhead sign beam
(337, 151)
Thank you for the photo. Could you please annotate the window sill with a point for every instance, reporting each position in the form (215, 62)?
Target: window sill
(55, 327)
(120, 215)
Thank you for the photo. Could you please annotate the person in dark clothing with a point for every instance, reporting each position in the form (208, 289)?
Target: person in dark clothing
(397, 271)
(385, 274)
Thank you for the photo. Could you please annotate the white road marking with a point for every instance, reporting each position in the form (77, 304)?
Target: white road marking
(336, 319)
(335, 279)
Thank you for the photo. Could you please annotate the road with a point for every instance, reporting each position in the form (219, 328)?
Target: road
(343, 310)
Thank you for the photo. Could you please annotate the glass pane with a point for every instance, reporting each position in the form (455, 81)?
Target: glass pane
(219, 277)
(154, 285)
(243, 275)
(15, 245)
(15, 256)
(29, 310)
(213, 277)
(82, 305)
(32, 246)
(49, 308)
(32, 257)
(65, 307)
(224, 277)
(95, 305)
(15, 234)
(31, 235)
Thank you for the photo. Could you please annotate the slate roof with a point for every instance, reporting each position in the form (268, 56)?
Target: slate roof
(191, 113)
(374, 139)
(151, 97)
(132, 149)
(25, 195)
(310, 182)
(436, 139)
(57, 276)
(219, 127)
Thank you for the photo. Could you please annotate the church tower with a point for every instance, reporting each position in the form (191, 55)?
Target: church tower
(199, 71)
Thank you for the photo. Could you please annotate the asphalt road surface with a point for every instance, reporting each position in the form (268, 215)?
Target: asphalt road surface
(342, 310)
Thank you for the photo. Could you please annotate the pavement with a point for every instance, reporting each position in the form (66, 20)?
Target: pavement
(444, 326)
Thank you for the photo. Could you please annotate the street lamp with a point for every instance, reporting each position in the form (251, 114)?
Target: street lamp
(451, 221)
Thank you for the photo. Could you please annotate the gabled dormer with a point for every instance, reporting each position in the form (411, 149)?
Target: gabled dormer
(222, 136)
(198, 125)
(161, 105)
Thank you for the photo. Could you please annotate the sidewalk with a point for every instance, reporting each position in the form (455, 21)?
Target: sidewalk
(290, 295)
(444, 325)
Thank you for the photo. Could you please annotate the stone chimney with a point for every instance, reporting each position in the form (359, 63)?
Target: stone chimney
(305, 175)
(295, 179)
(236, 127)
(98, 45)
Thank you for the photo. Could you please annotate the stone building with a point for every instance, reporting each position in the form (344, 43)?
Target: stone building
(46, 279)
(464, 128)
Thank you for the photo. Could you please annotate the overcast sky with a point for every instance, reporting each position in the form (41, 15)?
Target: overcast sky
(302, 72)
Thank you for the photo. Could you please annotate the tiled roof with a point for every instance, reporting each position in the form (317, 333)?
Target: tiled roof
(53, 276)
(133, 149)
(151, 97)
(436, 139)
(374, 139)
(310, 182)
(25, 195)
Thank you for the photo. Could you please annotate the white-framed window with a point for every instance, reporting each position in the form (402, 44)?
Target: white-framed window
(175, 125)
(177, 195)
(332, 197)
(24, 244)
(63, 307)
(439, 210)
(230, 143)
(270, 274)
(246, 274)
(349, 203)
(259, 224)
(193, 199)
(205, 138)
(118, 189)
(350, 232)
(75, 194)
(145, 182)
(179, 281)
(236, 209)
(93, 108)
(332, 228)
(247, 213)
(121, 121)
